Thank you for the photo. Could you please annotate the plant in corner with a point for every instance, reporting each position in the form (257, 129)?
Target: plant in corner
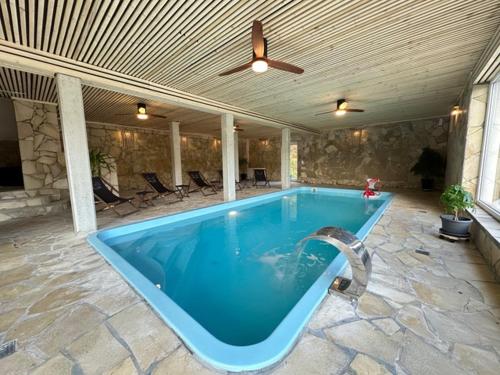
(456, 200)
(429, 165)
(99, 162)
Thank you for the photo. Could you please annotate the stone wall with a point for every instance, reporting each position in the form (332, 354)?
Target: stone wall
(40, 145)
(266, 154)
(199, 153)
(465, 139)
(349, 156)
(142, 150)
(134, 151)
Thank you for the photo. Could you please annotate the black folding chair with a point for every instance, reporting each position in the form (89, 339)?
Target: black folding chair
(201, 183)
(161, 190)
(260, 177)
(103, 192)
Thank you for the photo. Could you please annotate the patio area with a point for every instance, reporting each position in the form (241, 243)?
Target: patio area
(73, 313)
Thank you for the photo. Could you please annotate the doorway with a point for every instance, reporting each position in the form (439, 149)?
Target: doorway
(11, 175)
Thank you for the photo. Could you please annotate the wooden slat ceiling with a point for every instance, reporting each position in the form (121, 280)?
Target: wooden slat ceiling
(109, 107)
(397, 59)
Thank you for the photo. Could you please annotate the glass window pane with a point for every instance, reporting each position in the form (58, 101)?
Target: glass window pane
(490, 175)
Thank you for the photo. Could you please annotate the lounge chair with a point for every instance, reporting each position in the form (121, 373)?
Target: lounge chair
(238, 185)
(201, 183)
(103, 192)
(260, 177)
(161, 190)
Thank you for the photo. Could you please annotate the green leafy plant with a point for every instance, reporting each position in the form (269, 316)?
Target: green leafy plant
(430, 164)
(456, 199)
(98, 162)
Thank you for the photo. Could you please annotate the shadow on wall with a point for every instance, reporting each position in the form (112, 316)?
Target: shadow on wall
(349, 156)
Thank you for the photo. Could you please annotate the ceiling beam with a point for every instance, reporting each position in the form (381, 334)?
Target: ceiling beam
(34, 61)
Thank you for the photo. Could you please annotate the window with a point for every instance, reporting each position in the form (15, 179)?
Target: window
(489, 185)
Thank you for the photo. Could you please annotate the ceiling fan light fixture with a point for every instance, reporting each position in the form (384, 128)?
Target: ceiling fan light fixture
(141, 111)
(259, 66)
(340, 112)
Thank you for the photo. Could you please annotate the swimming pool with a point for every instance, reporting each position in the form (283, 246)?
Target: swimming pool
(229, 279)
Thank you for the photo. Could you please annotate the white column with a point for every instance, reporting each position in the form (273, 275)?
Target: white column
(285, 158)
(76, 152)
(247, 151)
(236, 158)
(227, 122)
(247, 156)
(175, 148)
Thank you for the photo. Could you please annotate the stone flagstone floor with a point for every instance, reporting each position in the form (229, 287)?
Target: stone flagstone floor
(73, 314)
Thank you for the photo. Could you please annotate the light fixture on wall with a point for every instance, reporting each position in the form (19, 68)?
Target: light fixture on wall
(264, 141)
(456, 110)
(128, 139)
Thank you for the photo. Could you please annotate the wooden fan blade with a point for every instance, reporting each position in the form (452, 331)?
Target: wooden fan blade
(284, 66)
(124, 114)
(157, 116)
(323, 113)
(353, 110)
(235, 70)
(257, 39)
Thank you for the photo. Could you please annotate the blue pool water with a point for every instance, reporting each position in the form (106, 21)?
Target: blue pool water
(234, 269)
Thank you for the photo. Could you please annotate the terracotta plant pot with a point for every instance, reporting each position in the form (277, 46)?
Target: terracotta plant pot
(458, 227)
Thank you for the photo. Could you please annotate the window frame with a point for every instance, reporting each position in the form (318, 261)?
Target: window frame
(491, 112)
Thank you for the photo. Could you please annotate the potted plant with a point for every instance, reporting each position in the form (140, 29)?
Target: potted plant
(455, 200)
(429, 165)
(99, 162)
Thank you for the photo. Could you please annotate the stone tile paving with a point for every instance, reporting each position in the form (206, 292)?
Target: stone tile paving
(73, 314)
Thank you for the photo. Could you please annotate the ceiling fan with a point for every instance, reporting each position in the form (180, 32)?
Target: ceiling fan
(342, 109)
(141, 113)
(237, 128)
(260, 62)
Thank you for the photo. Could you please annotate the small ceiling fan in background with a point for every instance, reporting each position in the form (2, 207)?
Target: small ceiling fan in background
(260, 62)
(141, 113)
(237, 128)
(342, 109)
